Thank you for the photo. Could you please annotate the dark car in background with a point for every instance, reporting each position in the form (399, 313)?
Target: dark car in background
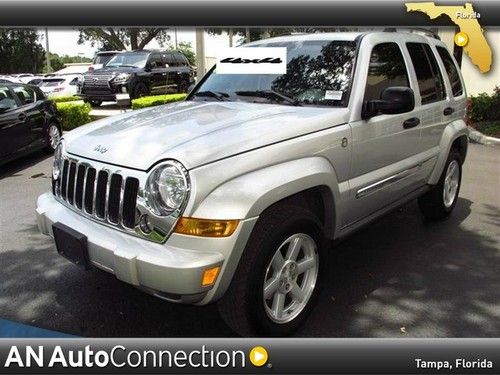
(137, 73)
(28, 121)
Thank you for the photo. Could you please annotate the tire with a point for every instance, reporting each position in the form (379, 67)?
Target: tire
(243, 307)
(183, 87)
(95, 103)
(52, 136)
(139, 91)
(438, 203)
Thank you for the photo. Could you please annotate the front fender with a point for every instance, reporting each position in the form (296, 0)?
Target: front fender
(250, 194)
(453, 131)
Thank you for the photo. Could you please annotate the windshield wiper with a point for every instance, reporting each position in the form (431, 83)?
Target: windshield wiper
(212, 94)
(269, 94)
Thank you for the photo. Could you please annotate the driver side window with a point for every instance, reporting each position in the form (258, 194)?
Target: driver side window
(387, 69)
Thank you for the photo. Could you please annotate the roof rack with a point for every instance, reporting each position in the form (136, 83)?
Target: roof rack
(414, 30)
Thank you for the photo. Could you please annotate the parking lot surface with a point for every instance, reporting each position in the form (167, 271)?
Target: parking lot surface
(398, 277)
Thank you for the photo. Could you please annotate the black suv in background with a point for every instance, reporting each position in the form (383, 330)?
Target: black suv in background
(138, 73)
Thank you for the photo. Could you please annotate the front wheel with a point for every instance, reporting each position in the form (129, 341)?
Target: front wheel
(276, 283)
(439, 202)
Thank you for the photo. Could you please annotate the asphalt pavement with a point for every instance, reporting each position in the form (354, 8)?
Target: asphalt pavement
(398, 277)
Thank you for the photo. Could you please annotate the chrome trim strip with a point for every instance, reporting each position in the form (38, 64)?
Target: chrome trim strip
(386, 181)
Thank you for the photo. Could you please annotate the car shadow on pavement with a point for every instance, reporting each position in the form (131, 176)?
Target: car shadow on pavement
(398, 277)
(13, 167)
(401, 277)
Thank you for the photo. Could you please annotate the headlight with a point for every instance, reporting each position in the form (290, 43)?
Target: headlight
(167, 188)
(57, 166)
(121, 77)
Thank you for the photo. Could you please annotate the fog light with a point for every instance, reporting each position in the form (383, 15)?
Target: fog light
(124, 89)
(209, 276)
(145, 225)
(205, 227)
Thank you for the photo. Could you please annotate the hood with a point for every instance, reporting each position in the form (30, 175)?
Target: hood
(195, 133)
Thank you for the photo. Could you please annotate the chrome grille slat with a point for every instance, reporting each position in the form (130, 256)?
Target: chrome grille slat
(82, 186)
(120, 208)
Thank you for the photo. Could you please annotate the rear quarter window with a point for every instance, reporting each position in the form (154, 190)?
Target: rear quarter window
(452, 71)
(430, 80)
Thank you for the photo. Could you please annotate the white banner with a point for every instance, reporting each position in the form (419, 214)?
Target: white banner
(252, 60)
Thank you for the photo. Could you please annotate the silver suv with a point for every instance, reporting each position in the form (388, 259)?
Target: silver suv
(235, 194)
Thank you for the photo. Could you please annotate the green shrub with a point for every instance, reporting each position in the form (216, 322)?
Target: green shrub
(73, 114)
(150, 101)
(484, 107)
(64, 99)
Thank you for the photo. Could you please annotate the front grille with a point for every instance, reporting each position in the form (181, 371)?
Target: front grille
(106, 196)
(97, 83)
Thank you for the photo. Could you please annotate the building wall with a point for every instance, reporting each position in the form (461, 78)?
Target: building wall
(475, 81)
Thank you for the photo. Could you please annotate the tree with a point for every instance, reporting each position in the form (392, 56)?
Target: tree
(58, 62)
(122, 38)
(20, 51)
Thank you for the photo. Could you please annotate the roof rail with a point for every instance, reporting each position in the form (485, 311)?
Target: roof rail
(413, 30)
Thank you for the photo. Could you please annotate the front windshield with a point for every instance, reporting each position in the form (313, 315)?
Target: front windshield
(134, 60)
(319, 72)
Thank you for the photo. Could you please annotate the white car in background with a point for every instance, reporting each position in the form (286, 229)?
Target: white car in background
(9, 79)
(63, 85)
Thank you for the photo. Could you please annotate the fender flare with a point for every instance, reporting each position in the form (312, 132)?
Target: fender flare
(248, 195)
(451, 133)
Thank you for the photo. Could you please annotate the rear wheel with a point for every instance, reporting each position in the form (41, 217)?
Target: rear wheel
(276, 284)
(95, 103)
(439, 202)
(52, 137)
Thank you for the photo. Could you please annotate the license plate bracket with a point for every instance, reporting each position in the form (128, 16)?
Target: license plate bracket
(71, 244)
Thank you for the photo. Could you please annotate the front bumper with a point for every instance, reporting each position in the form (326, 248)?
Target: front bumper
(171, 271)
(104, 92)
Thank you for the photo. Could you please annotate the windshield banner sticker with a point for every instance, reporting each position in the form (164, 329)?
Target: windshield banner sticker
(252, 60)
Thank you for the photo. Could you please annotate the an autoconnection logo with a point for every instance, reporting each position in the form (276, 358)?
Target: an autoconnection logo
(252, 60)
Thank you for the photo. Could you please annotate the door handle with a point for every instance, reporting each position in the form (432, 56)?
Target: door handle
(22, 117)
(411, 122)
(448, 111)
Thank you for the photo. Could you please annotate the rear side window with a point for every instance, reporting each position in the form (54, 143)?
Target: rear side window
(169, 59)
(387, 68)
(452, 71)
(181, 59)
(25, 94)
(430, 80)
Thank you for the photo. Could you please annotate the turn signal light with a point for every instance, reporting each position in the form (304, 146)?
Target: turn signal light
(205, 227)
(209, 276)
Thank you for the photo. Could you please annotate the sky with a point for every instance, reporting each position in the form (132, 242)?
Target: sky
(64, 42)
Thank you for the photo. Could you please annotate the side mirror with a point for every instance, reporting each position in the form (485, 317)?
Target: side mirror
(393, 100)
(4, 108)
